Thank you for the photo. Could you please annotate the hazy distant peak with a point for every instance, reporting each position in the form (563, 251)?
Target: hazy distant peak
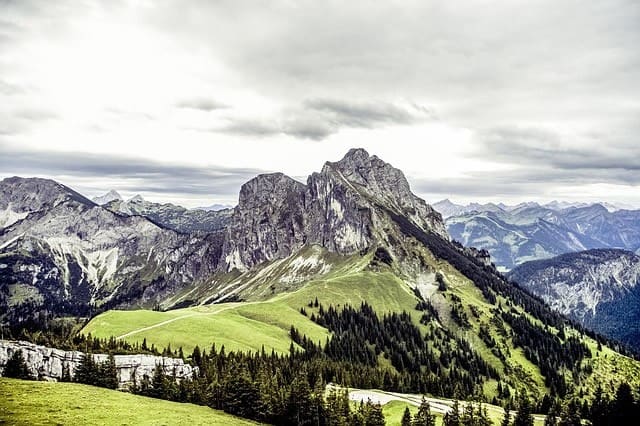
(112, 195)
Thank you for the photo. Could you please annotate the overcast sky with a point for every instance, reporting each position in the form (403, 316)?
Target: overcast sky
(183, 101)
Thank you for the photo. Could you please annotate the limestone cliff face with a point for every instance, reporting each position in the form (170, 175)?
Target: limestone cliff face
(344, 209)
(47, 363)
(268, 223)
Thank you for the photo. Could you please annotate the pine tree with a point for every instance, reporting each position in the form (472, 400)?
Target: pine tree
(506, 419)
(406, 418)
(599, 408)
(17, 368)
(452, 417)
(66, 373)
(424, 417)
(373, 415)
(570, 415)
(552, 416)
(157, 383)
(337, 409)
(523, 416)
(624, 411)
(109, 373)
(86, 371)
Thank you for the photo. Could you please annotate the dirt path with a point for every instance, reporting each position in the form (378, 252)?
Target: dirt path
(194, 314)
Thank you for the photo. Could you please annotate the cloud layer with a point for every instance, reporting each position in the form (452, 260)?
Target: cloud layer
(493, 99)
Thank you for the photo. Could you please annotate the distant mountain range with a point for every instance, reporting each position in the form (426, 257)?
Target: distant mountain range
(167, 215)
(599, 288)
(529, 231)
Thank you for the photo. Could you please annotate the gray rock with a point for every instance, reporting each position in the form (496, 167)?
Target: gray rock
(344, 209)
(48, 363)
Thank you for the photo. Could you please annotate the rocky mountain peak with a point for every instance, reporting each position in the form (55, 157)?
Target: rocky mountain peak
(268, 188)
(136, 199)
(33, 194)
(343, 208)
(112, 195)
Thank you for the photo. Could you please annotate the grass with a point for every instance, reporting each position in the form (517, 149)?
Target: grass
(237, 326)
(39, 403)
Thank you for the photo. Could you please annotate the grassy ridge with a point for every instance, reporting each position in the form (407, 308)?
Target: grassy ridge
(37, 403)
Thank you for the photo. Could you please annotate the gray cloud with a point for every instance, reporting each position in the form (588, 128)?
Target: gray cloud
(136, 173)
(597, 152)
(362, 114)
(204, 104)
(318, 118)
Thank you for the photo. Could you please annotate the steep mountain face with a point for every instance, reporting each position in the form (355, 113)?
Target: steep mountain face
(63, 253)
(171, 216)
(344, 209)
(599, 288)
(531, 232)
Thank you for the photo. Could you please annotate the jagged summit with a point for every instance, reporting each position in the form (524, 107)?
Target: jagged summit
(112, 195)
(345, 208)
(267, 188)
(136, 199)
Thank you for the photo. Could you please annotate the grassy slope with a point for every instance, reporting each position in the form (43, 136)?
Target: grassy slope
(32, 403)
(250, 325)
(237, 326)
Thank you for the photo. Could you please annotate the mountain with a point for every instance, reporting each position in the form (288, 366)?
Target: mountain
(531, 232)
(599, 288)
(215, 207)
(171, 216)
(350, 268)
(345, 208)
(447, 208)
(109, 196)
(62, 253)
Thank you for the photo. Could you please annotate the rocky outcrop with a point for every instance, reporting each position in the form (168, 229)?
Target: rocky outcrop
(344, 209)
(47, 363)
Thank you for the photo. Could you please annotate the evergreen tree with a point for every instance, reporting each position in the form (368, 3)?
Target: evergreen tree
(108, 373)
(424, 417)
(552, 416)
(299, 404)
(506, 419)
(523, 415)
(17, 368)
(406, 418)
(373, 415)
(157, 389)
(624, 407)
(337, 410)
(452, 417)
(240, 394)
(570, 414)
(86, 371)
(66, 373)
(599, 413)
